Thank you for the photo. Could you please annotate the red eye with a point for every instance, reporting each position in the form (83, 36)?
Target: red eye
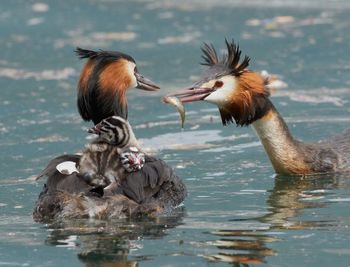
(218, 84)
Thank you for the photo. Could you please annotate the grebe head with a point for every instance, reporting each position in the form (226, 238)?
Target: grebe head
(239, 93)
(115, 131)
(104, 81)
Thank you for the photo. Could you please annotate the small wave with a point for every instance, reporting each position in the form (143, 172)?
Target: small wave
(182, 39)
(195, 5)
(18, 74)
(337, 101)
(95, 39)
(35, 21)
(40, 7)
(49, 139)
(199, 139)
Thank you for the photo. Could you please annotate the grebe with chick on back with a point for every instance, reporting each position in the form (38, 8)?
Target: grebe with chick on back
(151, 190)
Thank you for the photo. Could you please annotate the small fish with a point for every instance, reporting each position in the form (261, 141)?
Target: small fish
(179, 106)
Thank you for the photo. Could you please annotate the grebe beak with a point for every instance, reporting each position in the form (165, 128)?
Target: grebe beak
(145, 84)
(193, 93)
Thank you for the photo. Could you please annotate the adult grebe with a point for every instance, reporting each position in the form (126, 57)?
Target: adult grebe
(242, 96)
(154, 189)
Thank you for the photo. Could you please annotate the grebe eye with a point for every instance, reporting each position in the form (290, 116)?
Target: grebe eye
(218, 84)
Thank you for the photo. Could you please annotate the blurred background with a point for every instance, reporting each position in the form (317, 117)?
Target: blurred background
(238, 212)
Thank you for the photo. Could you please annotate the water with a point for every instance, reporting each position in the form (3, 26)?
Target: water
(237, 212)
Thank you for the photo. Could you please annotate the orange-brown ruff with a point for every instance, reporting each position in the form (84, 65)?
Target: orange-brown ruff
(246, 100)
(104, 82)
(242, 96)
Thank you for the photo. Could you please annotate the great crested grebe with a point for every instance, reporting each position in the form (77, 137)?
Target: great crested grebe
(242, 96)
(102, 87)
(111, 179)
(104, 81)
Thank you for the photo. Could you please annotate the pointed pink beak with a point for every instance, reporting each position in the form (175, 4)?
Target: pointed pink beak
(192, 94)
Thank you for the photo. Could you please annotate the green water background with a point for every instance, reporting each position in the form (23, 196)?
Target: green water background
(237, 211)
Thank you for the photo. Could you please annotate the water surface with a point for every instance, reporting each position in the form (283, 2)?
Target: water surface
(237, 212)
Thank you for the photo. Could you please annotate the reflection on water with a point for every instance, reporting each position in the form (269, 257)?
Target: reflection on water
(289, 199)
(289, 205)
(108, 243)
(243, 247)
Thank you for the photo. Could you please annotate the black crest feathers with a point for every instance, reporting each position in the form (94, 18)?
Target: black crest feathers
(210, 56)
(84, 53)
(231, 60)
(102, 55)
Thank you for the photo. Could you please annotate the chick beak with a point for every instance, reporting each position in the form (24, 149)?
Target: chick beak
(95, 129)
(193, 93)
(145, 84)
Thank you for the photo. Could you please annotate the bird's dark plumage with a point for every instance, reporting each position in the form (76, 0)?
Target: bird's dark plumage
(154, 190)
(57, 181)
(102, 55)
(99, 94)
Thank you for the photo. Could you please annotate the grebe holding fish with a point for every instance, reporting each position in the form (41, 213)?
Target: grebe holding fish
(242, 97)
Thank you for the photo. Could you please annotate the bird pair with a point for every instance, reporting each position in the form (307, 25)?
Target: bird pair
(242, 97)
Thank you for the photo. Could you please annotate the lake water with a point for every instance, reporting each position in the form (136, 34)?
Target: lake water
(238, 213)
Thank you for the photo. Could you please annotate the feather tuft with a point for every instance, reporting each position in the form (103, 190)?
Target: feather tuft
(230, 60)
